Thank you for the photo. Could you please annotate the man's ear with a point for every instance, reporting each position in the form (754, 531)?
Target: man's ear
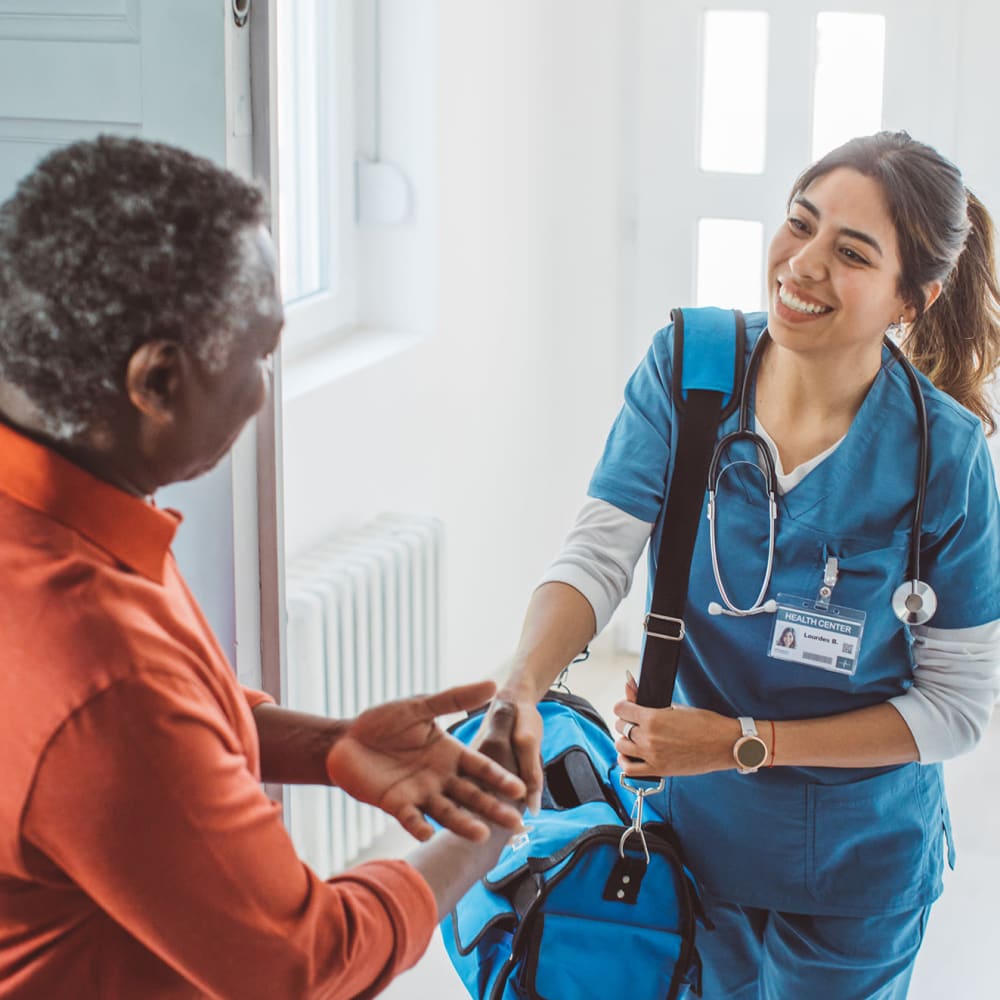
(154, 378)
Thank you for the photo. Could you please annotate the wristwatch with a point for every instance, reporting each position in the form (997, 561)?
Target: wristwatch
(749, 751)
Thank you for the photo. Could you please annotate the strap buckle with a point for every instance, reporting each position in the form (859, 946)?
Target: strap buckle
(679, 622)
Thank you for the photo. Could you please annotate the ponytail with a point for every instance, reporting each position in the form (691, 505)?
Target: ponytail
(956, 342)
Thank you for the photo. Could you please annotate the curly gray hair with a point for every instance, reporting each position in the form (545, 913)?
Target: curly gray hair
(106, 245)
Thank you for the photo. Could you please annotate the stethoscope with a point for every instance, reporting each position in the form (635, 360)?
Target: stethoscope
(914, 601)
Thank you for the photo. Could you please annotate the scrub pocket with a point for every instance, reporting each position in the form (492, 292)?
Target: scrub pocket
(867, 578)
(875, 845)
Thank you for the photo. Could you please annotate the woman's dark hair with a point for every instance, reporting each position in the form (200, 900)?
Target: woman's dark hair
(106, 245)
(944, 234)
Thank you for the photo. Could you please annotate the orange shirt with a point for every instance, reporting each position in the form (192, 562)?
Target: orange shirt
(139, 857)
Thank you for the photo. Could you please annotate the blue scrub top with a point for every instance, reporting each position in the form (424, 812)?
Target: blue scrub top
(816, 840)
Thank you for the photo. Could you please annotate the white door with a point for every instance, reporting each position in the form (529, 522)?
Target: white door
(176, 71)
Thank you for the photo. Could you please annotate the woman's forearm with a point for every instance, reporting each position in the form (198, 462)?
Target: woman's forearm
(867, 737)
(558, 624)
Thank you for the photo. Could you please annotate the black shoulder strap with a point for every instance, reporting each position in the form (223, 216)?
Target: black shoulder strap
(699, 420)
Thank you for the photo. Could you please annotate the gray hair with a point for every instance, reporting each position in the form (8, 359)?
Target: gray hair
(107, 245)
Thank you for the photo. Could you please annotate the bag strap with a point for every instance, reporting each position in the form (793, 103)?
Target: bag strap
(705, 392)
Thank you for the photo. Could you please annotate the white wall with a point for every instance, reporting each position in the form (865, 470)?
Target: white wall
(494, 420)
(977, 148)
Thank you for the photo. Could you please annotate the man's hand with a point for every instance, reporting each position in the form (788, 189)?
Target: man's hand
(394, 756)
(522, 735)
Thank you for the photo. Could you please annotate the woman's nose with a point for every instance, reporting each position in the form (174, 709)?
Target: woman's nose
(809, 261)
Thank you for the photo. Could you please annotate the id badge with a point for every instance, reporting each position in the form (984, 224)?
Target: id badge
(815, 635)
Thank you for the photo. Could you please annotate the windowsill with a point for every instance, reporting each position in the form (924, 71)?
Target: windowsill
(332, 359)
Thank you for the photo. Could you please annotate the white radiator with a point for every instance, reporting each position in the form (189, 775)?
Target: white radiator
(363, 627)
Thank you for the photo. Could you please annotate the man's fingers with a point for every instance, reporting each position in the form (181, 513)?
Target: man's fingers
(472, 798)
(529, 763)
(412, 821)
(462, 698)
(444, 811)
(482, 766)
(496, 738)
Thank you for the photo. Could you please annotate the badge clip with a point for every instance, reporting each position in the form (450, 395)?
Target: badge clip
(830, 575)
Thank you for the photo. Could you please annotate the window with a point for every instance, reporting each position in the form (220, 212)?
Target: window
(819, 75)
(315, 168)
(850, 64)
(734, 91)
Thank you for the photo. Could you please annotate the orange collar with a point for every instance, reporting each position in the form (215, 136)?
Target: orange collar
(129, 528)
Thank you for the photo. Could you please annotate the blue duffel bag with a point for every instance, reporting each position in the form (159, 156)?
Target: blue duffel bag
(594, 902)
(587, 903)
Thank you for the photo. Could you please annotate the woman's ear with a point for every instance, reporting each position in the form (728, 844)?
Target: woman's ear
(154, 377)
(931, 292)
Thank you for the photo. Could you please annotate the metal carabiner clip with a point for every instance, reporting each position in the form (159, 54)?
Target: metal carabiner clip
(640, 794)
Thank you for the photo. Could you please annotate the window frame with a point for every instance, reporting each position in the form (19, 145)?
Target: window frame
(332, 311)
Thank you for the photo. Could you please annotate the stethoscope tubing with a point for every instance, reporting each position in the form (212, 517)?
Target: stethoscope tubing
(767, 467)
(923, 459)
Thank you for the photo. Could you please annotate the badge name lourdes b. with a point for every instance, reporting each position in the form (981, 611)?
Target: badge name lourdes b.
(812, 634)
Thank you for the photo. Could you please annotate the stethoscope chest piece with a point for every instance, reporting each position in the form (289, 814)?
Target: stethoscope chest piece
(914, 602)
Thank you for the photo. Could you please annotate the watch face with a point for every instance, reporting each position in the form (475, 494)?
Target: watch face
(751, 753)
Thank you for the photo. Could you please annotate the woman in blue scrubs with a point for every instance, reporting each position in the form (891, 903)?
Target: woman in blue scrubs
(818, 866)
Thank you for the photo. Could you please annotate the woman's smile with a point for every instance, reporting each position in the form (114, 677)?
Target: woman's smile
(794, 306)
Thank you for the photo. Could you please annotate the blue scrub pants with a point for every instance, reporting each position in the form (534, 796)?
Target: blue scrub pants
(758, 954)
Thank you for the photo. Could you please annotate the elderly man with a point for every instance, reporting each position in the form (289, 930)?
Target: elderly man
(139, 857)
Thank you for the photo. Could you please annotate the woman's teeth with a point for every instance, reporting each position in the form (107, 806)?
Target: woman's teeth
(793, 302)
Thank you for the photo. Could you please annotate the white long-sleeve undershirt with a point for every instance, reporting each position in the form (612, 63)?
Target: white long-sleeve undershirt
(957, 676)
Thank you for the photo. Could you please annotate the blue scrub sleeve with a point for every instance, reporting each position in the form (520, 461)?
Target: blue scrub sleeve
(962, 562)
(632, 471)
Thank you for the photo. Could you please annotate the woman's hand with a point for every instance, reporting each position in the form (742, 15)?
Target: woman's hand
(669, 742)
(394, 756)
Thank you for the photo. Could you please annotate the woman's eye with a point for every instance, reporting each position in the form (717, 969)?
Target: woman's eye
(853, 256)
(797, 224)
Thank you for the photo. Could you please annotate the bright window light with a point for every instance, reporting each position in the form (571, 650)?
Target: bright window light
(734, 92)
(850, 65)
(730, 263)
(307, 187)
